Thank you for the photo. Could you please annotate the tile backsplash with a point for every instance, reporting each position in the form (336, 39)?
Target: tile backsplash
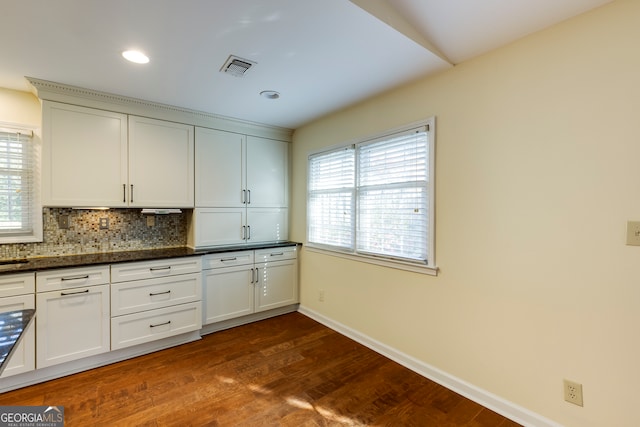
(128, 230)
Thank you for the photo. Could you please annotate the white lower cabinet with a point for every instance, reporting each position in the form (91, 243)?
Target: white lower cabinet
(72, 319)
(163, 299)
(17, 293)
(245, 282)
(277, 279)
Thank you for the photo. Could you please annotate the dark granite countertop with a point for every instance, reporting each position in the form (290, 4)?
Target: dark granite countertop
(67, 261)
(12, 327)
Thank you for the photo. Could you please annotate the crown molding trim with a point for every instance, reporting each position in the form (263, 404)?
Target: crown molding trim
(59, 92)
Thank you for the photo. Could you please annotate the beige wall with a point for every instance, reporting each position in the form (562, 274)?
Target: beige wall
(538, 170)
(19, 108)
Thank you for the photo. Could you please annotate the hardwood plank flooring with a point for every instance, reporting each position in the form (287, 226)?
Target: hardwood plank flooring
(284, 371)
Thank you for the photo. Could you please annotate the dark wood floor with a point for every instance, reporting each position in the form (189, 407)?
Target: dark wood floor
(285, 371)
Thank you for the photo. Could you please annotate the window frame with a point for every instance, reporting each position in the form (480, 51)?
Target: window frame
(34, 205)
(430, 267)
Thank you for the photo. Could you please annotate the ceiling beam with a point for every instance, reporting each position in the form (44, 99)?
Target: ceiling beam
(382, 10)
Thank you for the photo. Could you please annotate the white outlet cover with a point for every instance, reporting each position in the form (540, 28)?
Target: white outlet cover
(633, 233)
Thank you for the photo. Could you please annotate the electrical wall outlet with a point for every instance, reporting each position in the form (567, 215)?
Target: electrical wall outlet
(573, 392)
(104, 223)
(633, 233)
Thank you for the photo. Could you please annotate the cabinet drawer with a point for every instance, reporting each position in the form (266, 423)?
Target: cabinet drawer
(152, 269)
(227, 259)
(276, 254)
(71, 278)
(17, 284)
(152, 325)
(141, 295)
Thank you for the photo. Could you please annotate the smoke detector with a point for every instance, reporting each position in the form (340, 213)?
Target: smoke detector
(237, 66)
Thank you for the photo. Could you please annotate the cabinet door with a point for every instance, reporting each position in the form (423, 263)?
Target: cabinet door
(277, 285)
(218, 226)
(24, 356)
(219, 168)
(267, 225)
(267, 172)
(72, 324)
(84, 156)
(161, 164)
(228, 293)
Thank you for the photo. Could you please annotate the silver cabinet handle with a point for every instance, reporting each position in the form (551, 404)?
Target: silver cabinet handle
(160, 268)
(248, 197)
(131, 193)
(255, 277)
(277, 254)
(168, 322)
(159, 293)
(64, 294)
(228, 259)
(65, 279)
(244, 197)
(124, 193)
(248, 232)
(244, 232)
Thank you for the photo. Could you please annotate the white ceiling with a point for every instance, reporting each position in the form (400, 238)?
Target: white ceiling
(321, 55)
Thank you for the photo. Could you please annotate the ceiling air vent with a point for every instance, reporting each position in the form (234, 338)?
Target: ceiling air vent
(236, 66)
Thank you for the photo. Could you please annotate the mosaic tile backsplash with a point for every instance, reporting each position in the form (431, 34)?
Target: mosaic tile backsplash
(128, 230)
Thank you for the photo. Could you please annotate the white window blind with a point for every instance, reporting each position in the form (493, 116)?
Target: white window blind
(17, 184)
(392, 197)
(374, 198)
(331, 198)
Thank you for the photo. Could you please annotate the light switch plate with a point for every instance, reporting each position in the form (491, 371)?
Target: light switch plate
(633, 233)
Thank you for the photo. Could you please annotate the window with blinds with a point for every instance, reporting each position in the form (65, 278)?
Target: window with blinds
(331, 200)
(19, 215)
(375, 198)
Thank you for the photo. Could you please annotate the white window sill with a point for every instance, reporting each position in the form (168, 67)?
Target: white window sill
(397, 264)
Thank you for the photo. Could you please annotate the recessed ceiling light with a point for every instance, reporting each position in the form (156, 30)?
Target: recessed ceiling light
(135, 56)
(270, 94)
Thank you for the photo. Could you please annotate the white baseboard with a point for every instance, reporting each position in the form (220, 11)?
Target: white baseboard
(497, 404)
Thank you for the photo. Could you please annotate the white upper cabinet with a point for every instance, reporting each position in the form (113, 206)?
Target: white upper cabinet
(266, 172)
(96, 158)
(220, 168)
(241, 185)
(161, 164)
(84, 156)
(235, 170)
